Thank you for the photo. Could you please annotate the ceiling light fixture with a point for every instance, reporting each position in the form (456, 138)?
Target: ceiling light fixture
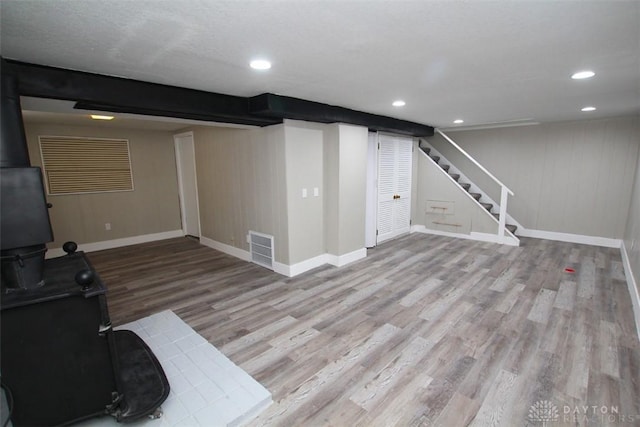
(589, 109)
(260, 64)
(399, 103)
(101, 117)
(458, 121)
(583, 75)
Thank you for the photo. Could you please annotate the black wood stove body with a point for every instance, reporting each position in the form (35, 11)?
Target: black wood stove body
(61, 361)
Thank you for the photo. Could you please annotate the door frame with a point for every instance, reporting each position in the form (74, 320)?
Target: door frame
(181, 180)
(395, 232)
(371, 214)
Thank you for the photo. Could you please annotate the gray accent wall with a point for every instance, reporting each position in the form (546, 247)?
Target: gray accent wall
(632, 229)
(441, 205)
(153, 206)
(242, 185)
(345, 187)
(253, 179)
(304, 172)
(568, 177)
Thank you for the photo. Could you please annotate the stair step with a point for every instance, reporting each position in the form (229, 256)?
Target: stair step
(487, 206)
(436, 158)
(476, 195)
(512, 228)
(455, 176)
(427, 150)
(445, 167)
(466, 186)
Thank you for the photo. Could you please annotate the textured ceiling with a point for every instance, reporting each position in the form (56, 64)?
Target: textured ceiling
(484, 62)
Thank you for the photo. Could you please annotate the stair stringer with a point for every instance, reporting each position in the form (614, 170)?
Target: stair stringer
(511, 238)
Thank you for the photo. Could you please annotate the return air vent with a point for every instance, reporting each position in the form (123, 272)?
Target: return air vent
(261, 248)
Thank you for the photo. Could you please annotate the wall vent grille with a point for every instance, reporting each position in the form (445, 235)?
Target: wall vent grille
(261, 249)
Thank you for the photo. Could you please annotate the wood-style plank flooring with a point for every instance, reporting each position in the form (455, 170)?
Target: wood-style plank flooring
(426, 330)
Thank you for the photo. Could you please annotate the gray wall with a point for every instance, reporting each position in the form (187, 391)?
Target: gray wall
(435, 189)
(304, 170)
(346, 171)
(253, 180)
(242, 185)
(153, 206)
(632, 230)
(570, 177)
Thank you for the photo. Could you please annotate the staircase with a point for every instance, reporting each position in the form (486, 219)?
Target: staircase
(478, 197)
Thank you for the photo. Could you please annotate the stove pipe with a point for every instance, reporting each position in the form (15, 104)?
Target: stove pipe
(25, 227)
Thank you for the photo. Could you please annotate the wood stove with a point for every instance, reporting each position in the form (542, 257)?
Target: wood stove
(61, 361)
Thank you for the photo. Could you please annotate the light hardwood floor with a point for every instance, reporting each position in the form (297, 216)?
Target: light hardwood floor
(426, 330)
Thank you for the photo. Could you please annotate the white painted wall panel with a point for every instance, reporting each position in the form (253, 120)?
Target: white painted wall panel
(570, 177)
(153, 206)
(242, 185)
(632, 229)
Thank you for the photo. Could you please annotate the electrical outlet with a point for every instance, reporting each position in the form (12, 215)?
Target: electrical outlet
(107, 226)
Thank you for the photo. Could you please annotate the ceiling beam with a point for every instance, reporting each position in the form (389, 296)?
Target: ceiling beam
(107, 93)
(271, 105)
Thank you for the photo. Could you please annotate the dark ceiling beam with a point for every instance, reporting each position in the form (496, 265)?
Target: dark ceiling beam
(272, 105)
(132, 96)
(107, 93)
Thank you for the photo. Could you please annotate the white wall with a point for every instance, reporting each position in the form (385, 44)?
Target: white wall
(570, 177)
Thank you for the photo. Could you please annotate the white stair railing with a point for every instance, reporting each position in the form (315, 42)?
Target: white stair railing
(504, 190)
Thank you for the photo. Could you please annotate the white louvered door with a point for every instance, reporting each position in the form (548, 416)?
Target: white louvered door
(394, 186)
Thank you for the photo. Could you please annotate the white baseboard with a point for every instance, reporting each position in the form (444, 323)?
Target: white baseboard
(300, 267)
(117, 243)
(285, 269)
(571, 238)
(632, 285)
(479, 237)
(493, 238)
(342, 260)
(227, 249)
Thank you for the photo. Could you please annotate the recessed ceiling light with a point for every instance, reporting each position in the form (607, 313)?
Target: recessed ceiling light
(458, 121)
(583, 75)
(589, 109)
(100, 117)
(399, 103)
(260, 64)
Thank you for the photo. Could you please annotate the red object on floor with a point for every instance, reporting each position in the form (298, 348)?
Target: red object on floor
(569, 270)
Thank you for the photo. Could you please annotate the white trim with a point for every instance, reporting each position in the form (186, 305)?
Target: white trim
(117, 243)
(227, 249)
(474, 161)
(293, 269)
(494, 238)
(632, 285)
(478, 237)
(509, 237)
(342, 260)
(178, 156)
(571, 238)
(300, 267)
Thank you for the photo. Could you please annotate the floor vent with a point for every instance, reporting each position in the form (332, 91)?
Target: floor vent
(261, 248)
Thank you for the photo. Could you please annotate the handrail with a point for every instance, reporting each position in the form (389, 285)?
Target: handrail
(474, 161)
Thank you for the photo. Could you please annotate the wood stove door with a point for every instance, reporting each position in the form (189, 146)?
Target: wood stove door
(56, 362)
